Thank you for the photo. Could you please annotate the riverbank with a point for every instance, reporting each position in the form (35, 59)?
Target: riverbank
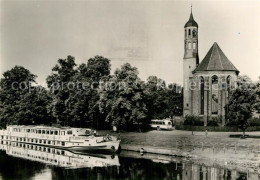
(177, 138)
(180, 143)
(216, 148)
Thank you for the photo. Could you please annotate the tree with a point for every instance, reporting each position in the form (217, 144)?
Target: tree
(241, 106)
(75, 90)
(58, 82)
(33, 107)
(162, 101)
(83, 100)
(122, 100)
(257, 104)
(21, 101)
(174, 100)
(156, 98)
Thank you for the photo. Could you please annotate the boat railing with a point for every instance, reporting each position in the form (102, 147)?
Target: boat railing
(3, 133)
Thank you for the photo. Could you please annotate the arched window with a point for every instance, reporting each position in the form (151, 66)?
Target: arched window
(214, 95)
(228, 83)
(189, 45)
(194, 45)
(189, 32)
(201, 95)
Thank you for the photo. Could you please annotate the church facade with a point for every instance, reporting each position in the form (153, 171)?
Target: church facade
(207, 83)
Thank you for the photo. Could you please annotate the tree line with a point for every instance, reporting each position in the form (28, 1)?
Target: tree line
(87, 95)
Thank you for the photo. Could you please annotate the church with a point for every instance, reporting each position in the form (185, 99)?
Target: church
(206, 84)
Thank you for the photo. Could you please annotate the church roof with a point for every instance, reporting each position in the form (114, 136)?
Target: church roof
(191, 22)
(216, 60)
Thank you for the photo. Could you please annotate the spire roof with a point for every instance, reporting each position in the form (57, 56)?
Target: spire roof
(191, 21)
(216, 60)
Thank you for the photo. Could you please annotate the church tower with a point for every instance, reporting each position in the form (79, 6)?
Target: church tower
(190, 60)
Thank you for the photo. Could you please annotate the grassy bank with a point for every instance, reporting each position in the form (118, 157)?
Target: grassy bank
(214, 128)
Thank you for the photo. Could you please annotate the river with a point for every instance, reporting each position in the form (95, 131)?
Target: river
(20, 161)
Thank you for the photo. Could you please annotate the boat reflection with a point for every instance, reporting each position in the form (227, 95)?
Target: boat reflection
(58, 157)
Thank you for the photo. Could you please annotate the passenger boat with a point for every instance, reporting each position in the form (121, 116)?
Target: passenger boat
(75, 139)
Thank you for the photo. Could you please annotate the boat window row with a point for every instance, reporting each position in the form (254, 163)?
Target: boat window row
(39, 141)
(42, 131)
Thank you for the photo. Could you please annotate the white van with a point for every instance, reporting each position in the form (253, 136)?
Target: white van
(161, 124)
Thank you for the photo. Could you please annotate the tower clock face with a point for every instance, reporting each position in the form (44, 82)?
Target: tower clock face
(194, 33)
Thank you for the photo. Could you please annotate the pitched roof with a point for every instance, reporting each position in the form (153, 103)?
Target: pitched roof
(191, 22)
(216, 60)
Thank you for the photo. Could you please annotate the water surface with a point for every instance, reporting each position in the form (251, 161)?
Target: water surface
(23, 161)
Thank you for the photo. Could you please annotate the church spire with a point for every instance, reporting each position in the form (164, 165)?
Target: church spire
(191, 21)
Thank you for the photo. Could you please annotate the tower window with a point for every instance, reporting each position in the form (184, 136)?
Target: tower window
(187, 105)
(194, 45)
(189, 32)
(189, 45)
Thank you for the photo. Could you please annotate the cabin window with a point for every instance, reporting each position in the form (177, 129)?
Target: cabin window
(69, 132)
(43, 131)
(51, 132)
(49, 142)
(63, 143)
(169, 123)
(47, 132)
(40, 141)
(56, 132)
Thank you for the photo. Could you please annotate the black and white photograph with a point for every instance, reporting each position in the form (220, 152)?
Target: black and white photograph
(129, 89)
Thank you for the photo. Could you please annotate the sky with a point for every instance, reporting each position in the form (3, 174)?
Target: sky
(147, 34)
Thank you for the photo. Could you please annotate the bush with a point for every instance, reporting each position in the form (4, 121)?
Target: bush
(251, 122)
(212, 123)
(254, 122)
(215, 128)
(192, 120)
(231, 123)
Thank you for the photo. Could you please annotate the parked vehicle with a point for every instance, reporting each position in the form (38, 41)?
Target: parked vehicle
(165, 124)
